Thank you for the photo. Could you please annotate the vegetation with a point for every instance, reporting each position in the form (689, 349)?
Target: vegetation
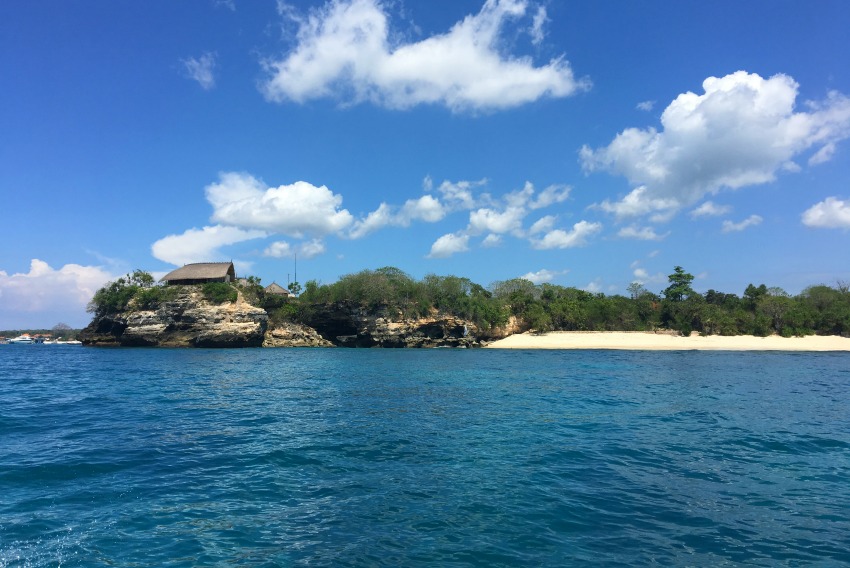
(219, 292)
(760, 310)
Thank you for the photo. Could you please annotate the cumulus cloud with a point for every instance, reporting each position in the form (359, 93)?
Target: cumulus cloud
(427, 208)
(641, 233)
(561, 239)
(732, 227)
(741, 131)
(710, 209)
(200, 245)
(448, 245)
(831, 213)
(201, 69)
(344, 51)
(306, 250)
(642, 276)
(550, 196)
(491, 241)
(542, 225)
(645, 106)
(296, 210)
(44, 296)
(492, 221)
(543, 275)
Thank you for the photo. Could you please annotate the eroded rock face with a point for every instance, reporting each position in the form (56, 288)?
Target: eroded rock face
(294, 335)
(191, 321)
(187, 321)
(349, 325)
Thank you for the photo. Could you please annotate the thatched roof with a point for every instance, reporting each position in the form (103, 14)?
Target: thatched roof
(201, 271)
(275, 288)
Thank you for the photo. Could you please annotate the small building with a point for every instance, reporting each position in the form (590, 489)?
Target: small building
(201, 273)
(277, 290)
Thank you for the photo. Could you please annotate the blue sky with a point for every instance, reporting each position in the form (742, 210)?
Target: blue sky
(587, 144)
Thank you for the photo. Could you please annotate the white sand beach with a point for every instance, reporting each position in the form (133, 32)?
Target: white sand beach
(649, 341)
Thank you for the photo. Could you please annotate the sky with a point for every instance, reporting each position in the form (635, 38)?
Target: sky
(586, 144)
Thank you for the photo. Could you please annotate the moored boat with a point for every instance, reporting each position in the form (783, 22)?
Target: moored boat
(24, 339)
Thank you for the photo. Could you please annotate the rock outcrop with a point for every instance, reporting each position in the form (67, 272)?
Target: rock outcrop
(187, 321)
(294, 335)
(351, 325)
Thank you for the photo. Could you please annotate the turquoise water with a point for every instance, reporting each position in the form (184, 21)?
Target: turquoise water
(122, 457)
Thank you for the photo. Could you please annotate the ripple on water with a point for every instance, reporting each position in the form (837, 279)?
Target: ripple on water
(389, 458)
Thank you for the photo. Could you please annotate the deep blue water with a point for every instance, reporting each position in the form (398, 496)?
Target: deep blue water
(154, 457)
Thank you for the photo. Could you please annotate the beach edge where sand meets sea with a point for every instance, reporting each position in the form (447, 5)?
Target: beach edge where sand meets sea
(661, 341)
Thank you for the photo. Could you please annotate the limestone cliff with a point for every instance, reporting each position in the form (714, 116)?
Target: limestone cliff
(351, 325)
(188, 320)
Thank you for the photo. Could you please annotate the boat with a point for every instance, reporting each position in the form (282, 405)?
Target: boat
(21, 340)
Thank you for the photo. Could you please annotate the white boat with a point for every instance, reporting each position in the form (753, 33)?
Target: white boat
(21, 339)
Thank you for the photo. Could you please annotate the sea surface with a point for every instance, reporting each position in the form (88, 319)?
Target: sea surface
(335, 457)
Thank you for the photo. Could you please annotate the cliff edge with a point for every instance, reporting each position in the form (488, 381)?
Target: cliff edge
(187, 320)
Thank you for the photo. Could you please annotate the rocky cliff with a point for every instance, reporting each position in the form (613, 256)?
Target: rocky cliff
(189, 320)
(351, 325)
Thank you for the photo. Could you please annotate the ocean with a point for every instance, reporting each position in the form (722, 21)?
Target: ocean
(335, 457)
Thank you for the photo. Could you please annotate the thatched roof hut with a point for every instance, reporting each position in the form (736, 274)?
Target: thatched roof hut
(277, 289)
(201, 273)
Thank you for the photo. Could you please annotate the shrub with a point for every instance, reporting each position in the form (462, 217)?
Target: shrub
(219, 292)
(152, 298)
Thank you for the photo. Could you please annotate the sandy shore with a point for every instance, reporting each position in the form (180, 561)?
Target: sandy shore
(638, 340)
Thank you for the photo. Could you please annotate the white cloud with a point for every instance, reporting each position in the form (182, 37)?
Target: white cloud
(641, 233)
(44, 296)
(427, 208)
(295, 210)
(562, 239)
(201, 70)
(710, 209)
(306, 250)
(645, 105)
(731, 227)
(542, 225)
(448, 245)
(459, 195)
(499, 222)
(200, 245)
(491, 241)
(831, 213)
(279, 249)
(823, 155)
(740, 132)
(344, 51)
(543, 275)
(550, 196)
(537, 32)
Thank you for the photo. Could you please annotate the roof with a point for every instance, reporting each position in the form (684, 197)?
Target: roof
(200, 270)
(275, 288)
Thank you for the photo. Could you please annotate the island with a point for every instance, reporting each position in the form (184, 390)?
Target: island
(207, 305)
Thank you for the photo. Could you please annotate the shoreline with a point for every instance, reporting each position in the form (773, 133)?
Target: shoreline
(664, 341)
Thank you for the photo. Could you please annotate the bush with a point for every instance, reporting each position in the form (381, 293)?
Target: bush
(112, 298)
(219, 292)
(152, 298)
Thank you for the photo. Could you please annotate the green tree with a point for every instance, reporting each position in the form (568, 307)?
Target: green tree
(680, 285)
